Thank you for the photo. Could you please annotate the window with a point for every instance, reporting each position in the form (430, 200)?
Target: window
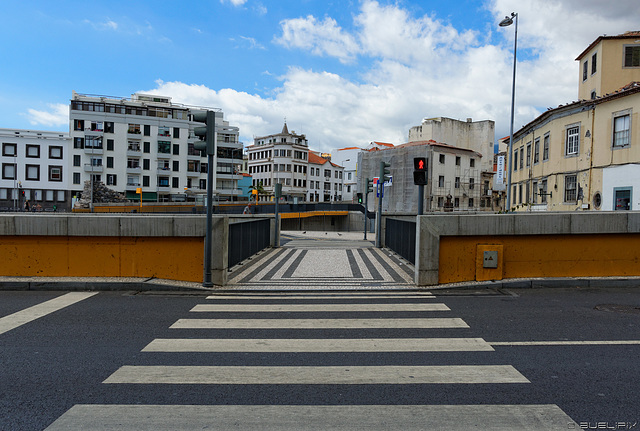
(49, 195)
(175, 182)
(55, 152)
(112, 180)
(593, 95)
(163, 181)
(147, 130)
(78, 143)
(55, 173)
(76, 160)
(456, 202)
(622, 198)
(585, 69)
(108, 127)
(10, 150)
(545, 147)
(570, 188)
(529, 154)
(572, 140)
(470, 202)
(440, 202)
(78, 124)
(76, 178)
(91, 141)
(133, 163)
(472, 183)
(536, 151)
(457, 183)
(163, 131)
(32, 172)
(632, 56)
(176, 166)
(441, 158)
(109, 162)
(594, 67)
(441, 181)
(96, 161)
(164, 147)
(519, 193)
(33, 151)
(176, 132)
(176, 149)
(97, 126)
(621, 128)
(135, 129)
(472, 163)
(521, 157)
(109, 144)
(8, 171)
(145, 181)
(60, 196)
(543, 191)
(457, 160)
(146, 147)
(146, 164)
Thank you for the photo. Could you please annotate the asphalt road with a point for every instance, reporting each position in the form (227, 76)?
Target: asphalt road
(62, 359)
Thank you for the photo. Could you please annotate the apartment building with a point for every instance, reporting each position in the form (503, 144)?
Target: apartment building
(325, 180)
(146, 143)
(34, 169)
(280, 158)
(585, 155)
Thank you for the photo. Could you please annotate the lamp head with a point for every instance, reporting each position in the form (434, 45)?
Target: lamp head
(506, 22)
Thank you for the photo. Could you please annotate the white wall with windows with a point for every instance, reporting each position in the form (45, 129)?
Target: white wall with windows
(616, 180)
(34, 167)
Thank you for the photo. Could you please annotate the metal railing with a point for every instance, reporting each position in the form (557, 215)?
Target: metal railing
(400, 236)
(247, 238)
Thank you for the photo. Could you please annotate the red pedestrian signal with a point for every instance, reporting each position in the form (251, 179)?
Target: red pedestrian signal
(420, 171)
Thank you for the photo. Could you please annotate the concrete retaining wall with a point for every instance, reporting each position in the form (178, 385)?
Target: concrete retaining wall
(71, 245)
(450, 248)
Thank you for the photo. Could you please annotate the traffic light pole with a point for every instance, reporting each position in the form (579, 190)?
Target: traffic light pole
(366, 210)
(207, 241)
(420, 199)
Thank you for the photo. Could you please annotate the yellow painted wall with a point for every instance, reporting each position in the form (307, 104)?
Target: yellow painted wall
(605, 255)
(55, 256)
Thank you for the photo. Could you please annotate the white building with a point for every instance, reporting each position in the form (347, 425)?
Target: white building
(147, 142)
(280, 158)
(325, 180)
(35, 169)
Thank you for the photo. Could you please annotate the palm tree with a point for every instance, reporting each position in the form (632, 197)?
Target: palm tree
(259, 189)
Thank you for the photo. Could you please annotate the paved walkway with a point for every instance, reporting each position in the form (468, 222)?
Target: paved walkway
(323, 261)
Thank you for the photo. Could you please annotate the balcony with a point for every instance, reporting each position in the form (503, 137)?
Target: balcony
(164, 170)
(131, 187)
(93, 150)
(193, 173)
(94, 169)
(164, 155)
(134, 169)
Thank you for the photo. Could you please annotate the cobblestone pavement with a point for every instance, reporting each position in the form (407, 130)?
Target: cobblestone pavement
(323, 261)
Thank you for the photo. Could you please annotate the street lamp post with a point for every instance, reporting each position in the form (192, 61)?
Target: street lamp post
(506, 22)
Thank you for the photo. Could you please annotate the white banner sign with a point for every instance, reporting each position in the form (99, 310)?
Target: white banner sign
(500, 168)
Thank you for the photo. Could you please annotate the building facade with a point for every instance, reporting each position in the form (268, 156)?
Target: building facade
(280, 158)
(326, 180)
(35, 166)
(586, 155)
(146, 144)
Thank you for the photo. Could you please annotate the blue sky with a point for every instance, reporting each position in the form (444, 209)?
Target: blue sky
(343, 72)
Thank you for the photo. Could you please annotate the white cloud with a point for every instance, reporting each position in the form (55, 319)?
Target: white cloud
(236, 3)
(320, 37)
(422, 67)
(58, 115)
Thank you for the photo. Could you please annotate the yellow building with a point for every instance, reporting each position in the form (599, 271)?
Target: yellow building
(586, 154)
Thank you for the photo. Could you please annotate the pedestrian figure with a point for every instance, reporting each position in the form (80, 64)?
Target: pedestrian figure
(247, 209)
(26, 205)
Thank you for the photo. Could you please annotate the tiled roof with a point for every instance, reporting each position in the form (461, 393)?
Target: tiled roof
(626, 35)
(316, 159)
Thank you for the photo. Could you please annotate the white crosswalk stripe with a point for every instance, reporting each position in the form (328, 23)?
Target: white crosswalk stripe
(271, 314)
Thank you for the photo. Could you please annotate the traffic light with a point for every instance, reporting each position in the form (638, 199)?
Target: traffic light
(359, 197)
(384, 172)
(420, 171)
(206, 133)
(369, 186)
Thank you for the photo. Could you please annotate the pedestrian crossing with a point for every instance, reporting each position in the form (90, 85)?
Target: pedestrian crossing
(263, 344)
(332, 268)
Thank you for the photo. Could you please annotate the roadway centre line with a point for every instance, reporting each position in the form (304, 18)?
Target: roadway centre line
(418, 323)
(103, 417)
(565, 343)
(30, 314)
(317, 307)
(308, 375)
(300, 345)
